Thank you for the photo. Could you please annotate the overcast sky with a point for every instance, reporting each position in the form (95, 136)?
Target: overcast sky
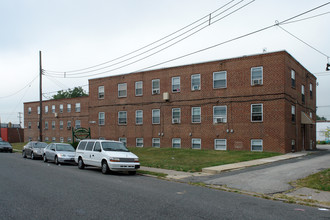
(77, 34)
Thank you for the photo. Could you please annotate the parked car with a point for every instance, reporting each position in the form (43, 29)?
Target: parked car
(34, 149)
(106, 154)
(5, 147)
(59, 153)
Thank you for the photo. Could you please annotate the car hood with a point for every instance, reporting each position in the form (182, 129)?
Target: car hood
(120, 154)
(68, 153)
(38, 150)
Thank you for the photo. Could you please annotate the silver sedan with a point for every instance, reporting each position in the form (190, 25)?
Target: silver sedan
(59, 153)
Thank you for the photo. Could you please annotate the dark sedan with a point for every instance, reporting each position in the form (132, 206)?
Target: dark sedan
(34, 149)
(5, 147)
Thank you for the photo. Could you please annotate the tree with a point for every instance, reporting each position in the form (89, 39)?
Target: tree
(70, 93)
(322, 118)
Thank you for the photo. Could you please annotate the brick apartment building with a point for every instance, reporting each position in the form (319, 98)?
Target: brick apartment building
(264, 102)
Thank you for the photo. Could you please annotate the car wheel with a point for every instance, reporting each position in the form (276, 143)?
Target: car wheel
(44, 158)
(56, 161)
(23, 154)
(10, 151)
(131, 172)
(105, 167)
(81, 164)
(32, 156)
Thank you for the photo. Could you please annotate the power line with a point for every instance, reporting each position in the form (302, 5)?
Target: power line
(29, 84)
(303, 19)
(53, 73)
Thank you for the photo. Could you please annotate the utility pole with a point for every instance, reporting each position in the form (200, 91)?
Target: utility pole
(20, 118)
(40, 97)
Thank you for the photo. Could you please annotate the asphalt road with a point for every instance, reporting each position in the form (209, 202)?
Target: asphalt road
(271, 178)
(37, 190)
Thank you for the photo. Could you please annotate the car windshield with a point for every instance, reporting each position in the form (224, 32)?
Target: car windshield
(3, 143)
(64, 147)
(39, 145)
(114, 146)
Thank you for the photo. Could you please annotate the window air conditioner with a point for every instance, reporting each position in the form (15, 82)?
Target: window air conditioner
(195, 87)
(55, 114)
(155, 91)
(176, 120)
(257, 82)
(219, 120)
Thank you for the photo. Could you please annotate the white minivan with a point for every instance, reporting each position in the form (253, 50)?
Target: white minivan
(106, 154)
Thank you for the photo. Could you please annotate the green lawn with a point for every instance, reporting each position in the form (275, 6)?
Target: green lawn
(320, 181)
(18, 146)
(192, 160)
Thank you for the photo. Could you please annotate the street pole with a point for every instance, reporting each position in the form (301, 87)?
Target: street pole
(40, 98)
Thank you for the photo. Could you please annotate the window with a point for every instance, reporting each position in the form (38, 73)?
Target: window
(139, 117)
(77, 123)
(293, 113)
(53, 108)
(155, 86)
(90, 146)
(219, 80)
(46, 109)
(46, 139)
(311, 90)
(38, 110)
(176, 115)
(303, 93)
(156, 116)
(29, 110)
(101, 92)
(53, 139)
(256, 113)
(29, 125)
(139, 88)
(122, 90)
(176, 142)
(97, 147)
(122, 117)
(139, 142)
(46, 125)
(123, 140)
(61, 108)
(195, 82)
(69, 107)
(61, 125)
(311, 115)
(220, 144)
(38, 125)
(219, 114)
(156, 142)
(256, 145)
(293, 145)
(77, 108)
(61, 139)
(293, 79)
(256, 76)
(53, 125)
(196, 143)
(176, 84)
(101, 118)
(196, 114)
(68, 125)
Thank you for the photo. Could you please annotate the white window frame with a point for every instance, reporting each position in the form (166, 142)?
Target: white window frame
(53, 139)
(68, 108)
(175, 84)
(262, 112)
(53, 125)
(101, 93)
(138, 84)
(77, 124)
(311, 90)
(38, 110)
(53, 108)
(137, 117)
(122, 88)
(61, 125)
(29, 125)
(46, 125)
(155, 90)
(260, 79)
(156, 141)
(29, 110)
(293, 113)
(192, 115)
(46, 139)
(61, 108)
(123, 140)
(303, 97)
(225, 79)
(293, 78)
(68, 125)
(259, 140)
(176, 139)
(125, 118)
(215, 117)
(195, 87)
(220, 145)
(61, 139)
(178, 119)
(193, 142)
(77, 107)
(46, 109)
(101, 118)
(138, 142)
(153, 116)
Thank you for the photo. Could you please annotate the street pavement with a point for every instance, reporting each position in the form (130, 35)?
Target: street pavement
(31, 189)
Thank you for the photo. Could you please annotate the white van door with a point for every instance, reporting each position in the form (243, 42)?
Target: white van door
(87, 157)
(96, 155)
